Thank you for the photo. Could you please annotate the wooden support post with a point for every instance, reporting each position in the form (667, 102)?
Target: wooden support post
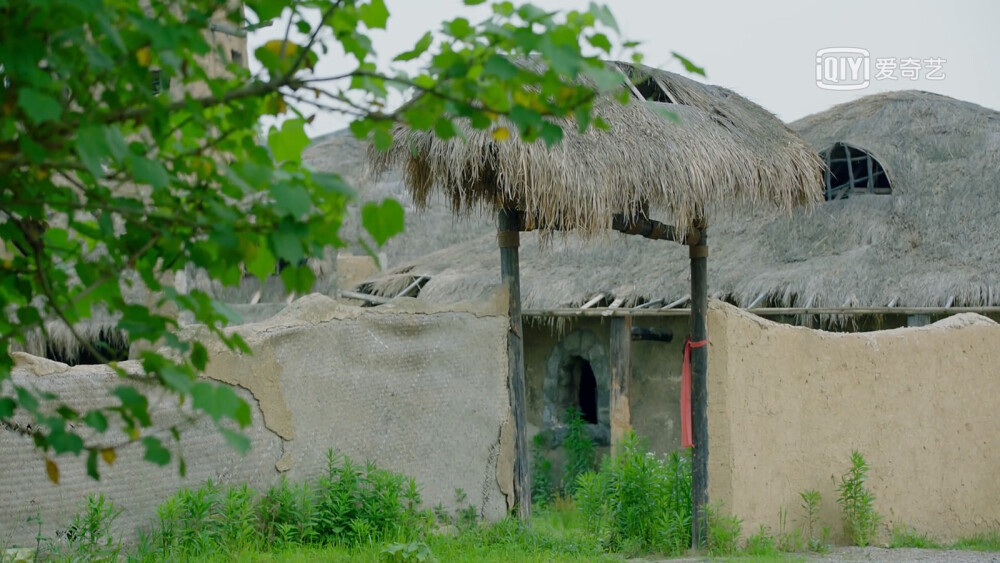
(508, 240)
(699, 386)
(621, 377)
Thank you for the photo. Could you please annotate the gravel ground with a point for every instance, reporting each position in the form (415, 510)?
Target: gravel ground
(906, 554)
(874, 554)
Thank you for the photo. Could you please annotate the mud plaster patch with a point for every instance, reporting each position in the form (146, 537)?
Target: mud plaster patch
(505, 461)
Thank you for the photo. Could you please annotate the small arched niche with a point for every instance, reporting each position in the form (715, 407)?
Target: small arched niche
(577, 376)
(852, 170)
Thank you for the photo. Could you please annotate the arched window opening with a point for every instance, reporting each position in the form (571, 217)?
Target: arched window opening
(653, 92)
(851, 170)
(646, 86)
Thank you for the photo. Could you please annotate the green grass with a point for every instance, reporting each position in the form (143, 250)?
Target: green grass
(986, 541)
(556, 533)
(907, 537)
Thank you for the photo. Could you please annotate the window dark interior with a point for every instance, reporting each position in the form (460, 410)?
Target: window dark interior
(851, 171)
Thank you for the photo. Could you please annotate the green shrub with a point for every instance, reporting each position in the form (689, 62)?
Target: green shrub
(723, 537)
(349, 505)
(581, 455)
(638, 502)
(542, 487)
(858, 503)
(89, 535)
(761, 543)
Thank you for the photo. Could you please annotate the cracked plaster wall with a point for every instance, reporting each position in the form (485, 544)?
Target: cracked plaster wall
(422, 392)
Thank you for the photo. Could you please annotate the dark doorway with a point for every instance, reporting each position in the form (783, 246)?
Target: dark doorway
(587, 394)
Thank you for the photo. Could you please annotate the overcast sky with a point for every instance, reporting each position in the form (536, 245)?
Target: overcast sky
(766, 50)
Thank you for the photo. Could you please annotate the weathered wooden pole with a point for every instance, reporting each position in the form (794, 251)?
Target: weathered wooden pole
(508, 238)
(698, 251)
(621, 377)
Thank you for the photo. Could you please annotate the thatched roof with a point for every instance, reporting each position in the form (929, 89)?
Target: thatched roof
(931, 243)
(725, 152)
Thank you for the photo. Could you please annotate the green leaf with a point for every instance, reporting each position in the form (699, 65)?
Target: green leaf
(220, 401)
(688, 65)
(175, 379)
(287, 245)
(236, 440)
(287, 143)
(600, 41)
(551, 133)
(333, 183)
(26, 399)
(199, 356)
(374, 14)
(155, 452)
(459, 28)
(38, 106)
(500, 67)
(267, 9)
(383, 221)
(65, 442)
(419, 49)
(148, 171)
(92, 469)
(92, 148)
(96, 420)
(604, 15)
(298, 278)
(382, 139)
(444, 128)
(291, 198)
(7, 406)
(135, 403)
(262, 263)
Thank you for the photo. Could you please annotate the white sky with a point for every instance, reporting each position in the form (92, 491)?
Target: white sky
(765, 50)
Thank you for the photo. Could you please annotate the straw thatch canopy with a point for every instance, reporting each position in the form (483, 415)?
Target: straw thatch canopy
(724, 152)
(931, 242)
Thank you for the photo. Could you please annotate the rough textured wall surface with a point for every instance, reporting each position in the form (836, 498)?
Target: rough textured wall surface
(788, 404)
(422, 392)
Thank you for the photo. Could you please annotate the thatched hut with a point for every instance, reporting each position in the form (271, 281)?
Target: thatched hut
(916, 230)
(924, 241)
(680, 153)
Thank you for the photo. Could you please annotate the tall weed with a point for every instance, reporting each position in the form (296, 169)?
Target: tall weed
(638, 502)
(858, 503)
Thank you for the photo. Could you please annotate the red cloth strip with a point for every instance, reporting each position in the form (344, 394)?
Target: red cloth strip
(687, 440)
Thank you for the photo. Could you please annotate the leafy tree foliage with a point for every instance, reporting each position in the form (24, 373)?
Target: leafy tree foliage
(125, 159)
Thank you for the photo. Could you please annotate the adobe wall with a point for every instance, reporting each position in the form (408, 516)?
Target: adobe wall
(788, 404)
(422, 392)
